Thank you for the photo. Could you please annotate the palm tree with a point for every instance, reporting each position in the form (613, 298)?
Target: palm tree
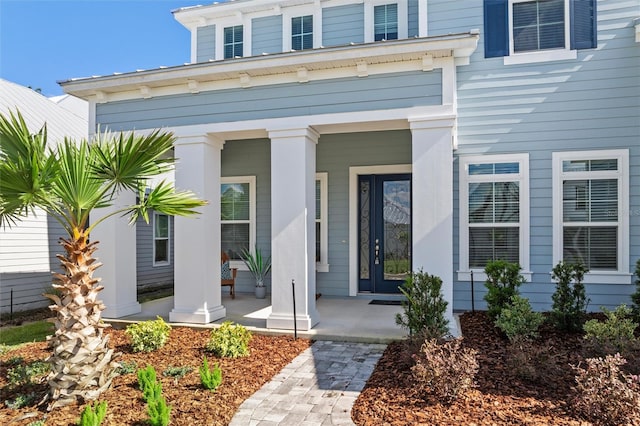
(68, 182)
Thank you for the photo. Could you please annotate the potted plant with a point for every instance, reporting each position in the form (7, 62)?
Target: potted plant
(259, 268)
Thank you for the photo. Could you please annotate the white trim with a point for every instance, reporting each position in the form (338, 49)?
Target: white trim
(423, 19)
(289, 13)
(403, 18)
(464, 179)
(323, 265)
(251, 180)
(168, 238)
(354, 172)
(621, 275)
(233, 21)
(194, 45)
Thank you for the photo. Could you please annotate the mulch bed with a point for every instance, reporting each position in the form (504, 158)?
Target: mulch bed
(507, 393)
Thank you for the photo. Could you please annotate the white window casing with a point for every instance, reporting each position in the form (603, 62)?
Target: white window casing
(403, 18)
(233, 21)
(251, 180)
(161, 238)
(323, 265)
(315, 10)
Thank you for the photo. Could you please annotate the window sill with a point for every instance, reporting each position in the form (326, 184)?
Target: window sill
(606, 277)
(322, 267)
(540, 56)
(480, 276)
(160, 264)
(238, 264)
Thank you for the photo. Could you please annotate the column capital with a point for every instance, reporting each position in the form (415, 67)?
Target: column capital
(294, 132)
(207, 138)
(431, 122)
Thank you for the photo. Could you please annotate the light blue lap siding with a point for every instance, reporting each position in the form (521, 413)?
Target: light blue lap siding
(266, 35)
(343, 25)
(379, 92)
(206, 43)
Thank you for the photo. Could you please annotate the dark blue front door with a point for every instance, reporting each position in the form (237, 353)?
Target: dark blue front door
(384, 232)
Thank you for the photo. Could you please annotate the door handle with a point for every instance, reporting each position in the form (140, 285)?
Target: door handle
(377, 252)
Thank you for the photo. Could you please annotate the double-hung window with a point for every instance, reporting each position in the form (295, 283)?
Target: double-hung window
(525, 31)
(302, 32)
(494, 211)
(385, 22)
(590, 211)
(233, 42)
(237, 215)
(161, 235)
(322, 231)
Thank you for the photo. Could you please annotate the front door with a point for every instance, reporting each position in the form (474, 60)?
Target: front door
(384, 232)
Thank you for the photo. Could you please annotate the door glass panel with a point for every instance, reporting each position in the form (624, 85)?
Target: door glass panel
(397, 229)
(365, 222)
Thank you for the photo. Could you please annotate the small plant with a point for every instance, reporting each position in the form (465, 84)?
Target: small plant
(532, 361)
(14, 360)
(148, 383)
(21, 400)
(210, 379)
(615, 334)
(503, 281)
(635, 297)
(158, 411)
(93, 416)
(25, 374)
(157, 408)
(257, 264)
(424, 307)
(445, 370)
(177, 372)
(147, 336)
(569, 300)
(127, 367)
(37, 423)
(230, 341)
(605, 395)
(518, 321)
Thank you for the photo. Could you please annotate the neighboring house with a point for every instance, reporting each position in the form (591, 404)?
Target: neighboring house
(27, 250)
(507, 128)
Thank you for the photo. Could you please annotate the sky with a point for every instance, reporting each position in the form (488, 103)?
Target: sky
(45, 41)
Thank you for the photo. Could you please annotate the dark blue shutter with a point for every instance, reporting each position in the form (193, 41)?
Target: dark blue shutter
(583, 24)
(496, 28)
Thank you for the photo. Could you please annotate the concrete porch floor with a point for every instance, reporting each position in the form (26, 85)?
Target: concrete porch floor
(349, 319)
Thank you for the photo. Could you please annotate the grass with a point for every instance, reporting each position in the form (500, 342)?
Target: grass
(27, 333)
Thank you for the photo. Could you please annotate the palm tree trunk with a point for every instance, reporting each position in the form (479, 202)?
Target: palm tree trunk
(82, 365)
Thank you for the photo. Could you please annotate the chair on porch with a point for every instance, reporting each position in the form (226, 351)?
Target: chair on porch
(228, 275)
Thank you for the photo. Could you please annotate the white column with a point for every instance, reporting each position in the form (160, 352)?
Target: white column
(432, 186)
(197, 295)
(117, 252)
(293, 201)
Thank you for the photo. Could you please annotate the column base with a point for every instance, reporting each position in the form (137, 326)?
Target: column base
(285, 322)
(199, 316)
(119, 311)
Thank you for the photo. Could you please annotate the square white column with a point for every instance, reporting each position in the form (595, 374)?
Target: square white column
(117, 253)
(432, 186)
(293, 206)
(197, 294)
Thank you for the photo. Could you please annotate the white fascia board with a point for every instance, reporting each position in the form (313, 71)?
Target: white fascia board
(398, 51)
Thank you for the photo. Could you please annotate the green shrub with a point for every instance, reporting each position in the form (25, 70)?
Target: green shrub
(27, 373)
(147, 336)
(445, 370)
(93, 416)
(635, 297)
(126, 367)
(503, 281)
(158, 412)
(148, 383)
(424, 307)
(230, 341)
(535, 362)
(37, 423)
(210, 379)
(569, 300)
(21, 400)
(518, 321)
(615, 334)
(177, 372)
(605, 395)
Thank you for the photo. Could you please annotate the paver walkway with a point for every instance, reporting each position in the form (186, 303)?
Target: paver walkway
(318, 387)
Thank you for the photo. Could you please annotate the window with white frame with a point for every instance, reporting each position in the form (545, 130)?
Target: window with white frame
(237, 215)
(538, 25)
(233, 42)
(494, 211)
(385, 22)
(591, 201)
(161, 235)
(302, 32)
(322, 231)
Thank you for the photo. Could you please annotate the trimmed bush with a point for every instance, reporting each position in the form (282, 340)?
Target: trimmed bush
(148, 336)
(424, 307)
(518, 321)
(503, 282)
(613, 335)
(93, 416)
(210, 379)
(445, 370)
(603, 394)
(230, 341)
(635, 297)
(569, 300)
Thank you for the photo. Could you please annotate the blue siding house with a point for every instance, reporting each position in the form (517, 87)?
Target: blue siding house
(357, 140)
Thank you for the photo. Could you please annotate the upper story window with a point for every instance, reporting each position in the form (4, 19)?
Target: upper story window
(233, 41)
(302, 32)
(237, 215)
(525, 31)
(385, 22)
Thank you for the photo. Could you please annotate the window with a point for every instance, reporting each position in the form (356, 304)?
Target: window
(302, 32)
(385, 22)
(494, 211)
(524, 31)
(237, 215)
(233, 42)
(590, 204)
(161, 232)
(322, 231)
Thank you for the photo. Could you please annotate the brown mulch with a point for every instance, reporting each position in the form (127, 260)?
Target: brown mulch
(191, 403)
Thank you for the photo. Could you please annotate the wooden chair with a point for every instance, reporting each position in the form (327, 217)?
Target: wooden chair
(229, 282)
